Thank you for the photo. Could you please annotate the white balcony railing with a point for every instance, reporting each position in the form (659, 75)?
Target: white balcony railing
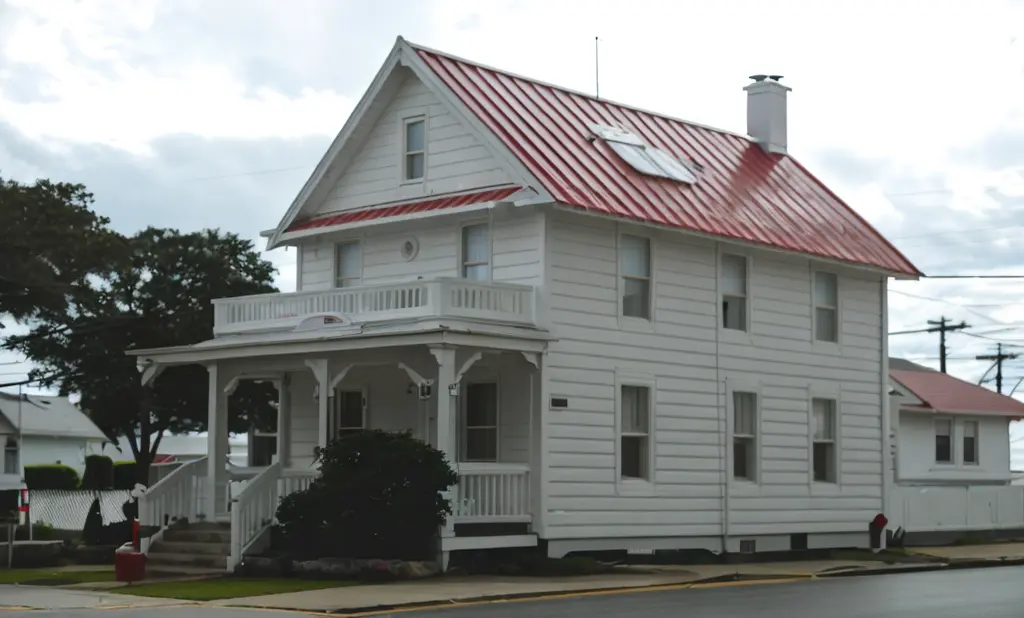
(492, 492)
(500, 302)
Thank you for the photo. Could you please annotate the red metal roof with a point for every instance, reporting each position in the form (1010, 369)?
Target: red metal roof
(742, 191)
(394, 210)
(944, 393)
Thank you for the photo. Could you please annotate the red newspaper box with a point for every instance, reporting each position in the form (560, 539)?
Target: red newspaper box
(129, 565)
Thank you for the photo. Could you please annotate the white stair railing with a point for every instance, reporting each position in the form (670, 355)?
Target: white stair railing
(177, 496)
(252, 512)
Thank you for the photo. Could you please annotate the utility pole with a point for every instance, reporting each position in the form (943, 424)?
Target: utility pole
(943, 326)
(998, 357)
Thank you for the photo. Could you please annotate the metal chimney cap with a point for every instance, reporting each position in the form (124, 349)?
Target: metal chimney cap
(758, 77)
(775, 78)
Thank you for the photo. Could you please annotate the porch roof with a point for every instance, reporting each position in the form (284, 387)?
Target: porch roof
(329, 339)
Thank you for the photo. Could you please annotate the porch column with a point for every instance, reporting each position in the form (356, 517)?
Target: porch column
(321, 371)
(446, 423)
(217, 443)
(284, 420)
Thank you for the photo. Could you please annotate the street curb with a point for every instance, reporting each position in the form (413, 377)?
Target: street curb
(924, 568)
(524, 596)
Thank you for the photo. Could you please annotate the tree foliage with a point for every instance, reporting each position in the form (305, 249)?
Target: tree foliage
(160, 296)
(52, 242)
(377, 496)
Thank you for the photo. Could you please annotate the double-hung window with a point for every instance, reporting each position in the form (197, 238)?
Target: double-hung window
(970, 439)
(476, 252)
(826, 307)
(349, 411)
(635, 267)
(635, 432)
(943, 440)
(824, 417)
(414, 159)
(348, 264)
(744, 435)
(734, 282)
(481, 426)
(10, 457)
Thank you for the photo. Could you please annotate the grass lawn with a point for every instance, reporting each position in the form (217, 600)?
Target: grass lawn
(54, 577)
(226, 588)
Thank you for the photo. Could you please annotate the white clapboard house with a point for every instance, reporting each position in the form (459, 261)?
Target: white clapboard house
(625, 330)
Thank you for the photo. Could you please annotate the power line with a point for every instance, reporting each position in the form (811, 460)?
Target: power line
(952, 304)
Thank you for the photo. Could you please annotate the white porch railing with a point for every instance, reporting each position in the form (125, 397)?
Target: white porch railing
(295, 480)
(179, 495)
(444, 297)
(253, 511)
(492, 492)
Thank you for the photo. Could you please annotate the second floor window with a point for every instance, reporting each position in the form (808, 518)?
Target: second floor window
(734, 292)
(943, 440)
(348, 265)
(970, 442)
(10, 457)
(826, 307)
(635, 267)
(476, 252)
(414, 158)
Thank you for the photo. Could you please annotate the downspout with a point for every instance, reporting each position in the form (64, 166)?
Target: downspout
(886, 411)
(723, 405)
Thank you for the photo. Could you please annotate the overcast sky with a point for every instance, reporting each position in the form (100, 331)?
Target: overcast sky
(200, 114)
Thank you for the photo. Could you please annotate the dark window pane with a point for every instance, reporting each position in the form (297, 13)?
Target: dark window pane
(943, 449)
(740, 460)
(824, 462)
(634, 457)
(350, 410)
(481, 444)
(970, 456)
(482, 405)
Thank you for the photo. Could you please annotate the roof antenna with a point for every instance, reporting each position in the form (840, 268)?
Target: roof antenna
(597, 68)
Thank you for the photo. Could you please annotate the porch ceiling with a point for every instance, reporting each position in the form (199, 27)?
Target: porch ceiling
(303, 343)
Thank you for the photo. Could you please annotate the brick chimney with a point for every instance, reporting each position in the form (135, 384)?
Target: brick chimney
(766, 112)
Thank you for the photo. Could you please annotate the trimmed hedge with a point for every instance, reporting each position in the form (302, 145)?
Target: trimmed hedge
(125, 475)
(99, 472)
(51, 476)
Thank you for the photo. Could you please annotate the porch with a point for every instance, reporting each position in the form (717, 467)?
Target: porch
(478, 404)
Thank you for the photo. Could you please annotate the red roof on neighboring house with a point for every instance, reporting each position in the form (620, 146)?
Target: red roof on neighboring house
(944, 393)
(394, 210)
(742, 192)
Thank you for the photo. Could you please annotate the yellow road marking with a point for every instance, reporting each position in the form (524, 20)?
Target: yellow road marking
(541, 597)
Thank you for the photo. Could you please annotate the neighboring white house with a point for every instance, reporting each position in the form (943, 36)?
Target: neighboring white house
(625, 330)
(951, 458)
(53, 431)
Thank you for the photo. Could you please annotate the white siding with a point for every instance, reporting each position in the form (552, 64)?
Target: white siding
(456, 159)
(691, 361)
(915, 436)
(516, 247)
(42, 450)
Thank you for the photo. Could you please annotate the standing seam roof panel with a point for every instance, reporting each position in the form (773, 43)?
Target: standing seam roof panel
(742, 192)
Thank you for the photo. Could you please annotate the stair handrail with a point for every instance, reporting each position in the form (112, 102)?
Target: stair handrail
(149, 515)
(262, 490)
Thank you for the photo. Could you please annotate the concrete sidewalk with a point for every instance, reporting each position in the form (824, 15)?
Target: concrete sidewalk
(468, 589)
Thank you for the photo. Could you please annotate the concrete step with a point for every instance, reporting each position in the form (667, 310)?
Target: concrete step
(205, 526)
(186, 547)
(159, 561)
(191, 534)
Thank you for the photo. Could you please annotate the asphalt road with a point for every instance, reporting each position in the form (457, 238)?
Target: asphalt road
(990, 592)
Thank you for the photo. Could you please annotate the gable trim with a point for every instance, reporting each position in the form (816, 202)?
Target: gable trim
(355, 119)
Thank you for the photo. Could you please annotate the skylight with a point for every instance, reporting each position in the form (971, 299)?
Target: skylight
(643, 157)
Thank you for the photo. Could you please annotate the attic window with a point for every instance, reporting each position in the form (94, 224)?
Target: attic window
(643, 157)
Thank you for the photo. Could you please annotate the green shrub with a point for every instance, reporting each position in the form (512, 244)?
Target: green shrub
(51, 476)
(99, 472)
(377, 496)
(125, 474)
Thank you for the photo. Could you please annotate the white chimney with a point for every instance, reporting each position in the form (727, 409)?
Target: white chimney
(766, 112)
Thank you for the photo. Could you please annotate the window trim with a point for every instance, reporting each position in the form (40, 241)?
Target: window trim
(733, 386)
(335, 263)
(977, 442)
(719, 313)
(620, 278)
(464, 419)
(837, 308)
(952, 440)
(461, 253)
(404, 120)
(336, 412)
(833, 395)
(626, 486)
